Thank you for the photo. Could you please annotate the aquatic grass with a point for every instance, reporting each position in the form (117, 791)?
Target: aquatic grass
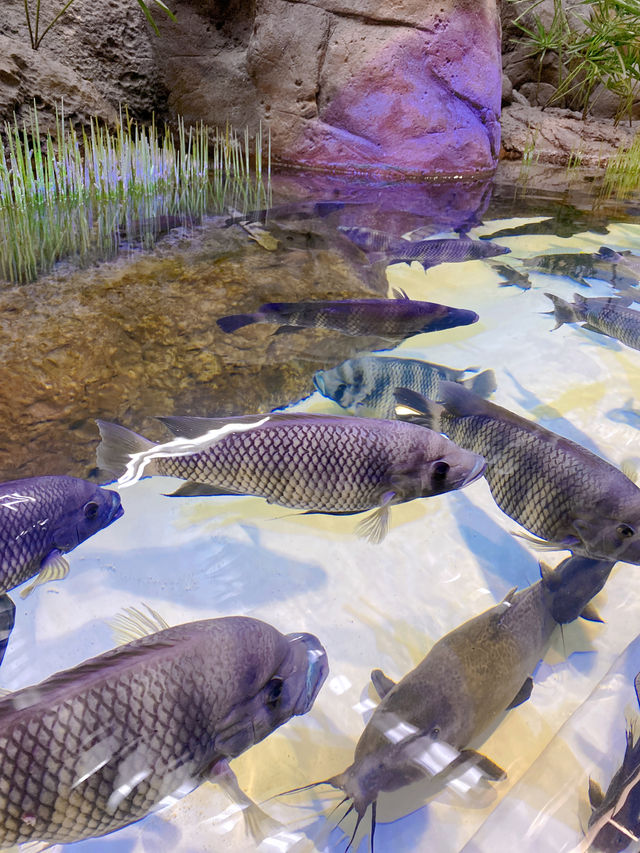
(622, 173)
(85, 195)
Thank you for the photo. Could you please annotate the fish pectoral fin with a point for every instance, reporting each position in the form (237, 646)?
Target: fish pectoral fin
(523, 694)
(590, 613)
(566, 544)
(629, 468)
(258, 823)
(382, 683)
(7, 621)
(199, 490)
(596, 794)
(54, 567)
(486, 765)
(288, 330)
(376, 525)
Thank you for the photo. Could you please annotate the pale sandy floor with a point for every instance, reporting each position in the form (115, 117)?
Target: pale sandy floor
(444, 560)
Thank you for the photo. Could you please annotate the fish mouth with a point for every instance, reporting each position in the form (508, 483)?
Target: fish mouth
(117, 510)
(476, 472)
(317, 668)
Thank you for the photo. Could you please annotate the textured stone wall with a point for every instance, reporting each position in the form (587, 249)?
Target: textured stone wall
(397, 86)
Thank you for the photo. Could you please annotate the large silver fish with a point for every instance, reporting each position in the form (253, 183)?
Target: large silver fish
(429, 253)
(366, 384)
(41, 519)
(394, 319)
(424, 724)
(557, 489)
(583, 265)
(318, 463)
(608, 316)
(96, 747)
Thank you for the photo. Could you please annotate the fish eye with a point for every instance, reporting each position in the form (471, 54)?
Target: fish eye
(337, 395)
(434, 733)
(91, 510)
(273, 692)
(625, 531)
(440, 470)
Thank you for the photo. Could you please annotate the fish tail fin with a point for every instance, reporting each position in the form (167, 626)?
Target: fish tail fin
(483, 384)
(422, 410)
(236, 321)
(117, 445)
(565, 312)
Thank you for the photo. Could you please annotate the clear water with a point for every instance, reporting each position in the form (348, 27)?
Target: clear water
(445, 559)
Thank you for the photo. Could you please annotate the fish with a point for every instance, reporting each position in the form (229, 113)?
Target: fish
(512, 276)
(425, 722)
(568, 497)
(318, 463)
(566, 222)
(615, 814)
(95, 747)
(41, 520)
(580, 266)
(366, 384)
(429, 253)
(394, 319)
(608, 316)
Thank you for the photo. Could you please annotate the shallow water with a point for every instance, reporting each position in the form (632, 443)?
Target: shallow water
(153, 348)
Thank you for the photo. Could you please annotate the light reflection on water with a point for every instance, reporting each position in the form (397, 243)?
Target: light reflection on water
(445, 559)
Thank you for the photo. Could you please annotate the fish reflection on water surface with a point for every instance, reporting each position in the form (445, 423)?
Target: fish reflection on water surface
(369, 382)
(553, 487)
(387, 318)
(318, 463)
(93, 748)
(424, 724)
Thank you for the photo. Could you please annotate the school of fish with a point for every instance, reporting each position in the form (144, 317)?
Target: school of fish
(100, 745)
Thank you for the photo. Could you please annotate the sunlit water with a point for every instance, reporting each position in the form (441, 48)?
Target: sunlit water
(444, 560)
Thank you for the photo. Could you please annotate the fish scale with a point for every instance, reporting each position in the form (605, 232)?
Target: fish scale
(147, 719)
(529, 491)
(342, 468)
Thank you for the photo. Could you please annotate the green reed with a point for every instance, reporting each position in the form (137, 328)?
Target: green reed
(83, 195)
(622, 173)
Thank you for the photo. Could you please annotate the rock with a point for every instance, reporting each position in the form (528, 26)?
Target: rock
(606, 104)
(538, 94)
(107, 44)
(507, 90)
(27, 76)
(553, 135)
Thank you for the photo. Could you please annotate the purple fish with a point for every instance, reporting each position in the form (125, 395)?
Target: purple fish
(395, 319)
(98, 746)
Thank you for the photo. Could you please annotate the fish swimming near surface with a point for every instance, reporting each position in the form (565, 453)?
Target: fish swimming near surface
(98, 746)
(41, 519)
(583, 265)
(366, 384)
(424, 724)
(609, 316)
(556, 489)
(289, 211)
(429, 253)
(511, 276)
(394, 319)
(615, 814)
(317, 463)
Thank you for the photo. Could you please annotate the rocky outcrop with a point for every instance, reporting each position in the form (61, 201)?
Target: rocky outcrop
(388, 86)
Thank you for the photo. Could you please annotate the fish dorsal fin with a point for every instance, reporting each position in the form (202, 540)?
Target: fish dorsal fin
(548, 576)
(629, 468)
(132, 624)
(399, 293)
(54, 568)
(505, 605)
(636, 684)
(596, 794)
